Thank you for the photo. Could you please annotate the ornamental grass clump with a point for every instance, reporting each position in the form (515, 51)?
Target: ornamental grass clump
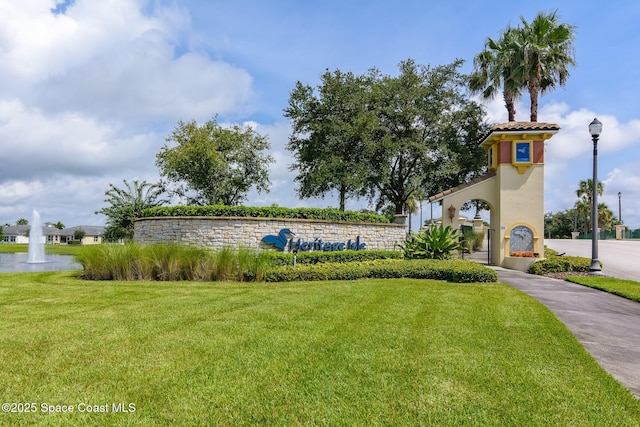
(169, 262)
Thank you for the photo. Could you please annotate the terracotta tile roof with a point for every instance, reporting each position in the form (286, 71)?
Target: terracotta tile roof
(501, 129)
(461, 186)
(517, 126)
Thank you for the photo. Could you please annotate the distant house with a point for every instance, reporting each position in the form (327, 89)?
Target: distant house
(52, 235)
(92, 234)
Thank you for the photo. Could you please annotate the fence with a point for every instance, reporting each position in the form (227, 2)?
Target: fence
(609, 235)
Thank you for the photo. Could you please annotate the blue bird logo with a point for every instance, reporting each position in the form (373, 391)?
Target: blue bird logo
(279, 241)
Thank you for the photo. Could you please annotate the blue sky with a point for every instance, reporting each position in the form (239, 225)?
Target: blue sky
(90, 89)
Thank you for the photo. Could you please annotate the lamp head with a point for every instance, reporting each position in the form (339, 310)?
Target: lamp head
(595, 128)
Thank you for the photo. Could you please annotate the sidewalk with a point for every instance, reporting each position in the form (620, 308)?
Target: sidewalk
(608, 326)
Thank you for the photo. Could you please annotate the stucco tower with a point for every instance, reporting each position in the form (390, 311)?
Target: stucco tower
(514, 190)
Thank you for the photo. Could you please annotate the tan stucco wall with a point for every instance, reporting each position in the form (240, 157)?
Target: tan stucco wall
(515, 194)
(219, 232)
(522, 203)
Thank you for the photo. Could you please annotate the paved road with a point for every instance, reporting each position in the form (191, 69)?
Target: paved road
(620, 258)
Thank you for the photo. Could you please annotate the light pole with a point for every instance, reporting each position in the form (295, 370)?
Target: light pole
(620, 207)
(595, 127)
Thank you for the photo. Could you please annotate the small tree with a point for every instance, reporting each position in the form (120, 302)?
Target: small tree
(59, 225)
(22, 221)
(212, 165)
(126, 204)
(79, 234)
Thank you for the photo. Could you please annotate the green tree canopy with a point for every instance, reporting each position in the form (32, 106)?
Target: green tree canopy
(427, 133)
(79, 234)
(126, 204)
(213, 165)
(22, 221)
(330, 131)
(559, 225)
(387, 137)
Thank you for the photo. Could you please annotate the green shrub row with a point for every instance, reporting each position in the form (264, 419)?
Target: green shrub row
(556, 264)
(458, 271)
(282, 258)
(328, 214)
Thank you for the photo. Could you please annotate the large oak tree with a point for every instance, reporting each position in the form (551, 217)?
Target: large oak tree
(386, 136)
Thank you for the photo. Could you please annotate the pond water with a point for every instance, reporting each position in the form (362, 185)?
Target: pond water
(17, 262)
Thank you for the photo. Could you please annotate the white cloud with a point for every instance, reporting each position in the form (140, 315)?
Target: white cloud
(12, 192)
(108, 60)
(35, 145)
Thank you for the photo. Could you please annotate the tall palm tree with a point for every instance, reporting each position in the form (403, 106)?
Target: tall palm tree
(583, 210)
(585, 188)
(544, 53)
(605, 217)
(585, 192)
(494, 69)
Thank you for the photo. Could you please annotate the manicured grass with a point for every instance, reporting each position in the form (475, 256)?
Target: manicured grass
(368, 352)
(48, 249)
(625, 288)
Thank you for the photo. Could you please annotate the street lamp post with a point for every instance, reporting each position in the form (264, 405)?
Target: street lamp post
(620, 207)
(595, 128)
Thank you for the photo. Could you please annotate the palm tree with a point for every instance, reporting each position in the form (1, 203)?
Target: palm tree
(127, 204)
(585, 192)
(585, 188)
(583, 209)
(545, 50)
(494, 70)
(605, 217)
(410, 207)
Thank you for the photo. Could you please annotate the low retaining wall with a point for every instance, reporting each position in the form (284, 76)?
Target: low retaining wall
(518, 263)
(219, 232)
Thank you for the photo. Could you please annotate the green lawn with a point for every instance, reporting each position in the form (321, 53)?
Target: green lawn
(48, 249)
(629, 289)
(369, 352)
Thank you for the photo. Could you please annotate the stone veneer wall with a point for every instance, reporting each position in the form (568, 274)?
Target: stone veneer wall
(219, 232)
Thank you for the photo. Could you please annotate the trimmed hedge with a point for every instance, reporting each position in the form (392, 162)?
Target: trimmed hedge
(282, 258)
(327, 214)
(556, 264)
(458, 271)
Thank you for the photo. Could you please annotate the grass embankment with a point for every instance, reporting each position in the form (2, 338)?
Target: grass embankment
(365, 352)
(48, 249)
(629, 289)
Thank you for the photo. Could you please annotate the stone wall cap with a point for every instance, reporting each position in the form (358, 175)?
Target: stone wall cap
(252, 218)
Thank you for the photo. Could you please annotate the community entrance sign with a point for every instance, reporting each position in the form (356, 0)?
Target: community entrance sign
(514, 190)
(282, 241)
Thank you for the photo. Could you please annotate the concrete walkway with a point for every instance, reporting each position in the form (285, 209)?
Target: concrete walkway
(608, 326)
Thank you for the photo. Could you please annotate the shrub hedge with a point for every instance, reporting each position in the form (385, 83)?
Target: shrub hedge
(556, 264)
(458, 271)
(282, 258)
(328, 214)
